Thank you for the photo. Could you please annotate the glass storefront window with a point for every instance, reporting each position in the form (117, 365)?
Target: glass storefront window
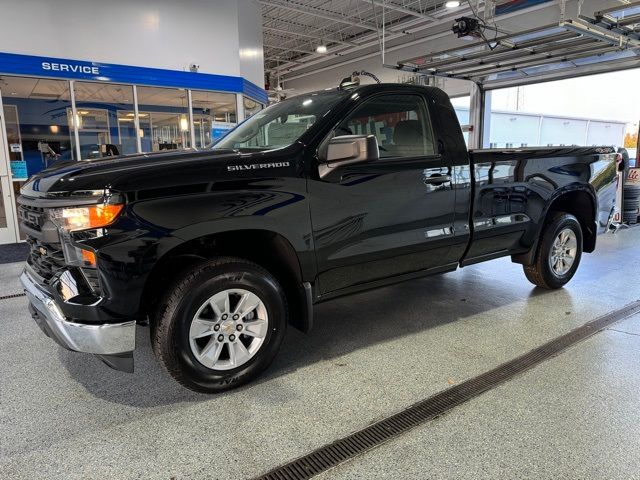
(38, 135)
(251, 107)
(164, 119)
(214, 114)
(42, 121)
(101, 127)
(36, 115)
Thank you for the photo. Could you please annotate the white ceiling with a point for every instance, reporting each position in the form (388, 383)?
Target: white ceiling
(351, 30)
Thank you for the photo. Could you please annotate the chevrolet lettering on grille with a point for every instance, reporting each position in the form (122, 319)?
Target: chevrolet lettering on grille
(29, 217)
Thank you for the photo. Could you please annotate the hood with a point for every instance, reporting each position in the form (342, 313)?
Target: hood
(134, 172)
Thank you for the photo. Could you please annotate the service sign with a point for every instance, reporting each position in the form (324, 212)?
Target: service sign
(69, 69)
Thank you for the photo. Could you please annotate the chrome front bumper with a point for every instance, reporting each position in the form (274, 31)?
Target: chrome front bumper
(103, 339)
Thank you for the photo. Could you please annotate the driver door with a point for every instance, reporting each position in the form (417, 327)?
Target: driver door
(388, 217)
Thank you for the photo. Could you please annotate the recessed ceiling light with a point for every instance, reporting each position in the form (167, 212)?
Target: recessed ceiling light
(321, 49)
(452, 4)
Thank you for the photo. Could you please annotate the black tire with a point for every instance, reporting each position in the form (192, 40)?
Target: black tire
(170, 328)
(540, 272)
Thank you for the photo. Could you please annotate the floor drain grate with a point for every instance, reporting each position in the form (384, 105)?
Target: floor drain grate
(13, 295)
(359, 442)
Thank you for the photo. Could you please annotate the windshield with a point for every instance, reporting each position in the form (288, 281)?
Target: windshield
(281, 124)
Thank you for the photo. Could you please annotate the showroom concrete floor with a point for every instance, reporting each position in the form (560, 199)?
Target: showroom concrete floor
(65, 415)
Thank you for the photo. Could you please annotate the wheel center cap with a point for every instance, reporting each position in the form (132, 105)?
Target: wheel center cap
(228, 327)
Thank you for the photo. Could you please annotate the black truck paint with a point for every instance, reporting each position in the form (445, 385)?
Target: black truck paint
(361, 226)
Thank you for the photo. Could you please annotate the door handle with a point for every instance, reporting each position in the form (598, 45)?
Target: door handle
(436, 179)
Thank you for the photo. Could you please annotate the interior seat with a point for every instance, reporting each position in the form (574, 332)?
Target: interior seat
(408, 140)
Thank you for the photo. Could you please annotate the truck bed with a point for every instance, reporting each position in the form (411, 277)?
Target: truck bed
(513, 188)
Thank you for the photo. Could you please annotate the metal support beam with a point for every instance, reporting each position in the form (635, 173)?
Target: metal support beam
(564, 59)
(514, 45)
(487, 55)
(594, 31)
(398, 8)
(541, 58)
(315, 12)
(280, 59)
(327, 39)
(289, 49)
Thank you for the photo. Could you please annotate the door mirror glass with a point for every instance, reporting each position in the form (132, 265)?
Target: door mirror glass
(349, 149)
(352, 148)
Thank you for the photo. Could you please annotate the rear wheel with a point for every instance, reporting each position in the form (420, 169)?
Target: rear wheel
(220, 325)
(558, 254)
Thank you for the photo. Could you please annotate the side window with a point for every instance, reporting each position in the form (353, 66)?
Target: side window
(399, 122)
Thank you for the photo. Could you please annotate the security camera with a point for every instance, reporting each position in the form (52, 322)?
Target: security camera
(194, 67)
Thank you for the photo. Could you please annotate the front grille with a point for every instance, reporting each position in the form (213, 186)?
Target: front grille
(31, 217)
(45, 259)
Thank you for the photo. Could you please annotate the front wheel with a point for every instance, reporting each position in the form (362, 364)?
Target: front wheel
(558, 254)
(220, 325)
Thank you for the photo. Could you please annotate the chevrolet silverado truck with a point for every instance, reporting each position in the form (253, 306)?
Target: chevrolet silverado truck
(319, 196)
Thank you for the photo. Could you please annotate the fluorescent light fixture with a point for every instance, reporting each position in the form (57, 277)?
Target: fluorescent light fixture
(452, 4)
(321, 49)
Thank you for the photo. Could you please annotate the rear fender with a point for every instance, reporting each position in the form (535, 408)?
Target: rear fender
(588, 224)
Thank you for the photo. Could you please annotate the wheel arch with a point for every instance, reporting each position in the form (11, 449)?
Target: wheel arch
(577, 200)
(267, 248)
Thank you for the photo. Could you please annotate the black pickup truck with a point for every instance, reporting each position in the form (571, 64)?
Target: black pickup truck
(316, 197)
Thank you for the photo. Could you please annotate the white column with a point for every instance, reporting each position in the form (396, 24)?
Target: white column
(239, 108)
(480, 117)
(486, 119)
(75, 120)
(191, 125)
(136, 119)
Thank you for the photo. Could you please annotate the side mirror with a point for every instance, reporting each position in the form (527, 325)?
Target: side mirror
(349, 149)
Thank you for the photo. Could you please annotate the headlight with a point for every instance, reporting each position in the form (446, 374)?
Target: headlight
(72, 219)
